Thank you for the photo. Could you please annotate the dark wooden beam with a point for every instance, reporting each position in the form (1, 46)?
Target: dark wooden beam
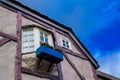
(3, 41)
(72, 53)
(60, 71)
(60, 74)
(38, 74)
(18, 53)
(55, 37)
(8, 36)
(28, 71)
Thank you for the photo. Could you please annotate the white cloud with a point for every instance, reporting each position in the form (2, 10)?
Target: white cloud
(110, 63)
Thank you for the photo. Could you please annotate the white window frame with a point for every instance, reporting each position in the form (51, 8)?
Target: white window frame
(65, 43)
(44, 37)
(28, 47)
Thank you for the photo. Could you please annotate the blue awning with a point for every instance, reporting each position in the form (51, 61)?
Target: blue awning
(49, 54)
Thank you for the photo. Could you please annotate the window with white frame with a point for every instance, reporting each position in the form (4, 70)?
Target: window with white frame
(43, 37)
(27, 40)
(65, 43)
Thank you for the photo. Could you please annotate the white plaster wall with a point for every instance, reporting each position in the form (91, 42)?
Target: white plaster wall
(68, 72)
(7, 61)
(36, 38)
(26, 21)
(27, 56)
(8, 21)
(31, 77)
(83, 66)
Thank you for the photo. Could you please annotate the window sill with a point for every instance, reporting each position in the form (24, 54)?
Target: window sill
(66, 48)
(28, 52)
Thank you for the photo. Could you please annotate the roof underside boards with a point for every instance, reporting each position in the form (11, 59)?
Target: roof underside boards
(49, 21)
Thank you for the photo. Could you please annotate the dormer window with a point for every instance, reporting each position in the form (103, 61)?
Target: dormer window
(28, 40)
(65, 44)
(43, 37)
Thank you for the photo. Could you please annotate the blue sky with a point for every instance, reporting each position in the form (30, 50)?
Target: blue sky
(95, 22)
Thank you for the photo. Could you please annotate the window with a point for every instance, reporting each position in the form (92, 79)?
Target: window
(66, 44)
(27, 40)
(43, 37)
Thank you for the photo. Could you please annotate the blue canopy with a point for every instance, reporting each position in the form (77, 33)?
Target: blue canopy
(49, 54)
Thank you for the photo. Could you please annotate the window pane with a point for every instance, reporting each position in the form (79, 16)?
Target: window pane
(31, 31)
(46, 36)
(63, 41)
(31, 37)
(25, 38)
(67, 43)
(42, 38)
(31, 48)
(46, 40)
(28, 40)
(64, 45)
(25, 32)
(25, 44)
(31, 43)
(41, 34)
(67, 46)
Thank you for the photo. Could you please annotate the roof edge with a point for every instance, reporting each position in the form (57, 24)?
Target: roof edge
(105, 75)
